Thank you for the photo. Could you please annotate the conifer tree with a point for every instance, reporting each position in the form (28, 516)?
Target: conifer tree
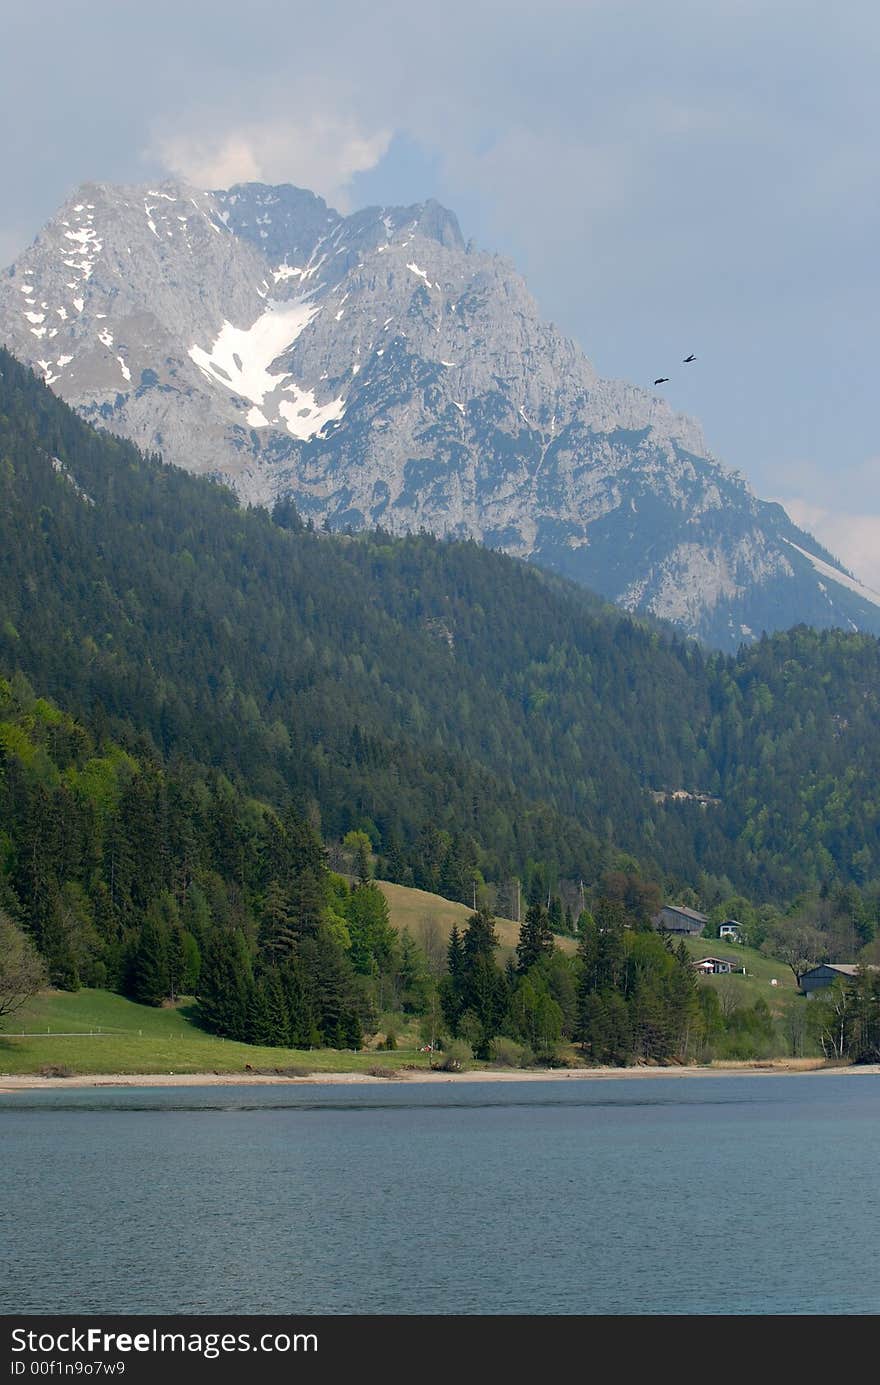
(535, 938)
(480, 938)
(56, 948)
(258, 1028)
(276, 1009)
(224, 985)
(455, 956)
(352, 1033)
(277, 933)
(302, 1028)
(176, 962)
(373, 940)
(412, 982)
(452, 984)
(149, 965)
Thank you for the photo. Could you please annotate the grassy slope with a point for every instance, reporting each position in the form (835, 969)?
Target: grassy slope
(411, 909)
(760, 970)
(136, 1038)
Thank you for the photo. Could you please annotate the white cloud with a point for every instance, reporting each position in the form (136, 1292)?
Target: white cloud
(320, 153)
(854, 539)
(841, 507)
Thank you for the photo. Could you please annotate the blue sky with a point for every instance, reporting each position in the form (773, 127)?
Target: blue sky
(685, 177)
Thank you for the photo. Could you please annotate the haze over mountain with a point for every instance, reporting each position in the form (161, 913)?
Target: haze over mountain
(380, 371)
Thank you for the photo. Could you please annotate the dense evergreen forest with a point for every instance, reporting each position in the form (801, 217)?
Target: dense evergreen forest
(469, 713)
(197, 698)
(162, 880)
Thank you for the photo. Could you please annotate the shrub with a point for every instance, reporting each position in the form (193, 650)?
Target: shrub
(455, 1055)
(505, 1052)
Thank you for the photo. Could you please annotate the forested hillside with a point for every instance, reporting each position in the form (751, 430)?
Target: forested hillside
(470, 714)
(161, 881)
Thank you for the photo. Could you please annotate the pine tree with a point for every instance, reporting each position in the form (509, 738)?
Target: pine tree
(225, 984)
(149, 965)
(258, 1027)
(276, 1010)
(302, 1029)
(535, 938)
(484, 996)
(373, 940)
(176, 962)
(56, 947)
(412, 982)
(277, 932)
(455, 956)
(480, 938)
(452, 984)
(352, 1034)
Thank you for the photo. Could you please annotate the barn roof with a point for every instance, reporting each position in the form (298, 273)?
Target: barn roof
(688, 913)
(842, 968)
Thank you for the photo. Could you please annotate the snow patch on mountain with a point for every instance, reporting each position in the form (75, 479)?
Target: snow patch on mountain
(305, 417)
(378, 370)
(835, 575)
(240, 357)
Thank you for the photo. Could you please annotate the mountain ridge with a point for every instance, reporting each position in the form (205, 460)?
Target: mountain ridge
(379, 370)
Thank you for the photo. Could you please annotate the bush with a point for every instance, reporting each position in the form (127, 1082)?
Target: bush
(455, 1056)
(505, 1053)
(550, 1056)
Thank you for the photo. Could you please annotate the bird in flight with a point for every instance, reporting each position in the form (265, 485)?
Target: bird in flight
(688, 359)
(662, 380)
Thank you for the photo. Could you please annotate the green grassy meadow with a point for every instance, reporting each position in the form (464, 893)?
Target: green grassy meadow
(99, 1032)
(760, 971)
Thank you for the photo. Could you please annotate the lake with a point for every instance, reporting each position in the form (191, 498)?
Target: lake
(746, 1195)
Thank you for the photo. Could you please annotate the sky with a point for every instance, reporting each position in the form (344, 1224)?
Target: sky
(670, 178)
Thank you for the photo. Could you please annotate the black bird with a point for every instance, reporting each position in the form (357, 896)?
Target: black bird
(688, 359)
(662, 380)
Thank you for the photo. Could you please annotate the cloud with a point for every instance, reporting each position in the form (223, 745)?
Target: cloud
(320, 153)
(854, 539)
(669, 178)
(841, 507)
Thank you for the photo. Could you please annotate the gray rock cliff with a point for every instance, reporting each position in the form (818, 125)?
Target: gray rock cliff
(380, 371)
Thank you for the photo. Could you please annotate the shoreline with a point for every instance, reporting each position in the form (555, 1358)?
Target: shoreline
(22, 1082)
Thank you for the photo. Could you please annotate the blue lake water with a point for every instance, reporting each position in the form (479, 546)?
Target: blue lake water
(701, 1195)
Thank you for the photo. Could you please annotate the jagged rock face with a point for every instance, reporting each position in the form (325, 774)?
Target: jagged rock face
(381, 372)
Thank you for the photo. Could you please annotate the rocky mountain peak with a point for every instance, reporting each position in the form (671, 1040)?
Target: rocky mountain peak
(378, 370)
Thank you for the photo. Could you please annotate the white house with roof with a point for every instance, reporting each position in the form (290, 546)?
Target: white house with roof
(717, 966)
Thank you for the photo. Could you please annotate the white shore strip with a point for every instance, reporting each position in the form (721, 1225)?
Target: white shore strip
(15, 1082)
